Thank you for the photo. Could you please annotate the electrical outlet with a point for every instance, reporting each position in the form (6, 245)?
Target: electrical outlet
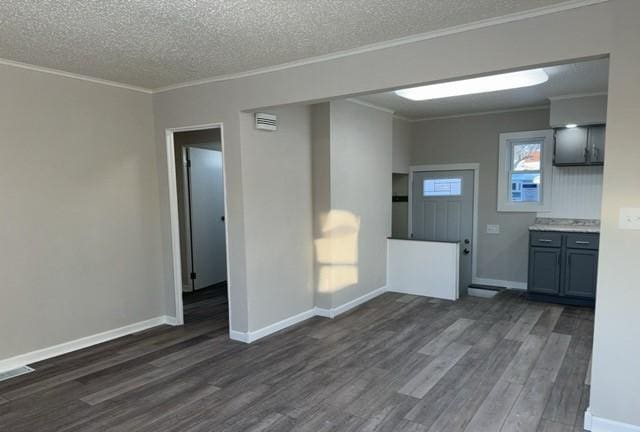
(629, 218)
(493, 229)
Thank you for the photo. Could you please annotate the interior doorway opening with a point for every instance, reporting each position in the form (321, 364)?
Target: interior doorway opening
(198, 223)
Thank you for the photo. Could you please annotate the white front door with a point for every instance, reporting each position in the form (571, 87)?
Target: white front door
(206, 199)
(442, 210)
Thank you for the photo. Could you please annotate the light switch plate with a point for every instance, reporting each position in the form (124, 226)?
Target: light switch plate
(629, 218)
(493, 229)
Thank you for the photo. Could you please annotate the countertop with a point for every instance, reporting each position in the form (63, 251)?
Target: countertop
(419, 240)
(566, 225)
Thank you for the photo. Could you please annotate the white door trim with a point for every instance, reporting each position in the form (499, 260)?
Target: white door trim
(475, 167)
(174, 216)
(186, 211)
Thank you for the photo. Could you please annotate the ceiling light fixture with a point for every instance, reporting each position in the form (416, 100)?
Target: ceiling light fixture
(484, 84)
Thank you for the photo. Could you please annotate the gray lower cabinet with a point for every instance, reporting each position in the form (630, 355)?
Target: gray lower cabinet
(563, 266)
(544, 270)
(580, 273)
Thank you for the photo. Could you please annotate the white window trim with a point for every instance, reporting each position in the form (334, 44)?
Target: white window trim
(546, 171)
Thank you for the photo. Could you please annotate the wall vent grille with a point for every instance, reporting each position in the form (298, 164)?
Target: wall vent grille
(268, 122)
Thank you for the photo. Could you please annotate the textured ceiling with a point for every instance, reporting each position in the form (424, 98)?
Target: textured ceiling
(574, 78)
(155, 43)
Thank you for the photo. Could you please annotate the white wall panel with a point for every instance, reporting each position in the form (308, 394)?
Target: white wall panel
(576, 193)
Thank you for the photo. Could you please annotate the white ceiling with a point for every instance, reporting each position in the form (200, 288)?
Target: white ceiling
(576, 78)
(156, 43)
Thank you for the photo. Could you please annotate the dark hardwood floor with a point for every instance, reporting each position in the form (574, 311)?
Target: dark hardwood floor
(398, 363)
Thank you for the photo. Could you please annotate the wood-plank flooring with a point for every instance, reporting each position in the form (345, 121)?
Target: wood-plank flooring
(397, 363)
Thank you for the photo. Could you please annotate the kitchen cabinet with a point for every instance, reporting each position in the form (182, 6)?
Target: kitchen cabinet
(596, 144)
(563, 267)
(544, 270)
(581, 267)
(579, 146)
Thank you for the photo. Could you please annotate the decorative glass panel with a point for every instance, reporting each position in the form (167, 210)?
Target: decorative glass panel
(526, 156)
(525, 187)
(442, 187)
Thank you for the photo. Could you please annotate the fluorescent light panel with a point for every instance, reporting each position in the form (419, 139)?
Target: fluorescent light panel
(485, 84)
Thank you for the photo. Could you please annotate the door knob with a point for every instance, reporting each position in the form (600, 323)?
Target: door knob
(466, 251)
(222, 218)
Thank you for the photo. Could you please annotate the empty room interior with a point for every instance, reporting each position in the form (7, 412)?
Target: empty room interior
(360, 215)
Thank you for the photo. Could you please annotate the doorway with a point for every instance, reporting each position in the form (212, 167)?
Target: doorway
(198, 222)
(205, 260)
(443, 209)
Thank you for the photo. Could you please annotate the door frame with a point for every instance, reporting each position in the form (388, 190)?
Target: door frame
(174, 215)
(186, 205)
(475, 167)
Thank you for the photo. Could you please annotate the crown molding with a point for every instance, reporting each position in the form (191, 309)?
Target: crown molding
(401, 117)
(489, 22)
(514, 17)
(370, 105)
(577, 95)
(73, 75)
(481, 113)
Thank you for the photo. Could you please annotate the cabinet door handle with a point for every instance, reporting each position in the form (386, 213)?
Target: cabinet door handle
(581, 242)
(545, 240)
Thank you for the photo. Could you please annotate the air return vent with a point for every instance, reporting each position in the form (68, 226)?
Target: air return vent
(15, 372)
(266, 121)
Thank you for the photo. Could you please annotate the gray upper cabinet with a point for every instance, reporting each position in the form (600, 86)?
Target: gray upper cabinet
(579, 146)
(596, 144)
(571, 146)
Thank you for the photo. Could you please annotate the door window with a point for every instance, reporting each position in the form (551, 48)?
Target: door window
(442, 187)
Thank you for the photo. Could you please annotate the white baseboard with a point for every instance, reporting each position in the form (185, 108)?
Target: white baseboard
(501, 283)
(249, 337)
(475, 292)
(239, 336)
(334, 312)
(84, 342)
(253, 336)
(599, 424)
(169, 320)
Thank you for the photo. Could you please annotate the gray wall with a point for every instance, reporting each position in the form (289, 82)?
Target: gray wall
(361, 140)
(123, 221)
(352, 200)
(615, 383)
(321, 181)
(510, 45)
(576, 191)
(482, 50)
(278, 214)
(402, 139)
(81, 241)
(476, 139)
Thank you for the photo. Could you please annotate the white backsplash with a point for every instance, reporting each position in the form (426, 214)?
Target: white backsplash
(576, 193)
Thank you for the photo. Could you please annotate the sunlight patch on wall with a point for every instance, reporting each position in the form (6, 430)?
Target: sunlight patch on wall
(337, 251)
